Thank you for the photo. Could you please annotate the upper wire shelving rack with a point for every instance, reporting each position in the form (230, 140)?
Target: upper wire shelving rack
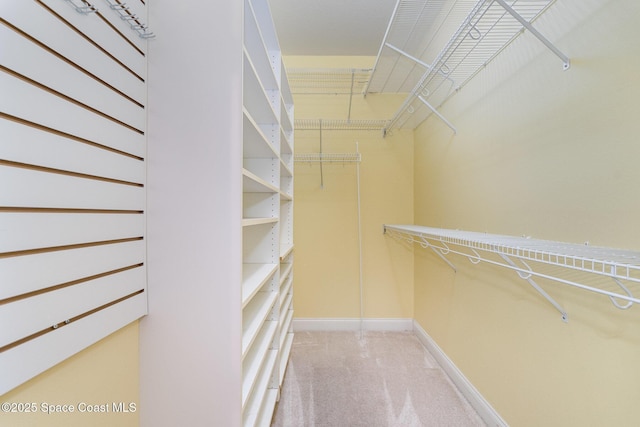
(488, 28)
(618, 265)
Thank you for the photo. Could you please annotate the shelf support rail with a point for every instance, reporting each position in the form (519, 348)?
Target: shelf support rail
(525, 273)
(526, 24)
(537, 287)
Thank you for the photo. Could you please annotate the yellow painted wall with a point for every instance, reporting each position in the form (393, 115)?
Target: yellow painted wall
(325, 218)
(103, 374)
(551, 154)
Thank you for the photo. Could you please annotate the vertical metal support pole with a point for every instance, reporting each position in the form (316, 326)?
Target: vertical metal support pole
(440, 116)
(321, 175)
(536, 33)
(360, 245)
(353, 72)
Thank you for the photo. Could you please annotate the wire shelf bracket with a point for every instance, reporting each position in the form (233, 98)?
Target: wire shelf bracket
(487, 29)
(618, 265)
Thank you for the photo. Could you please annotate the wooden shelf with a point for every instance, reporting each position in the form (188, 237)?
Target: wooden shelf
(254, 315)
(254, 276)
(255, 360)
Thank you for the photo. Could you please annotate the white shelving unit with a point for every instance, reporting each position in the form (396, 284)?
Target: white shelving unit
(267, 237)
(610, 272)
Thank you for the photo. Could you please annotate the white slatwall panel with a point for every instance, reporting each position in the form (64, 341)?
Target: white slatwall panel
(72, 181)
(18, 276)
(25, 144)
(21, 363)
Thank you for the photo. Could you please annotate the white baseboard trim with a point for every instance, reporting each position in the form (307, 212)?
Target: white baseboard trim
(351, 324)
(482, 407)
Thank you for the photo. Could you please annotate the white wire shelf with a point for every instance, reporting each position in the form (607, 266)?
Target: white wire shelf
(328, 158)
(408, 54)
(622, 266)
(339, 124)
(323, 81)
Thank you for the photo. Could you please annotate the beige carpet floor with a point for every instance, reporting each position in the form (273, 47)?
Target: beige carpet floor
(384, 379)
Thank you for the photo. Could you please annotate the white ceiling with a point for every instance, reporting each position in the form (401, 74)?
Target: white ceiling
(331, 27)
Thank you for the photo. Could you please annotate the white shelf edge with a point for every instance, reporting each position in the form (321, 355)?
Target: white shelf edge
(285, 351)
(286, 311)
(257, 398)
(252, 183)
(605, 262)
(284, 272)
(287, 288)
(254, 276)
(248, 222)
(269, 404)
(284, 252)
(267, 150)
(256, 363)
(257, 310)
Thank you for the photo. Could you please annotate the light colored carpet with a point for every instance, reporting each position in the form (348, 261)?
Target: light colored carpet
(384, 379)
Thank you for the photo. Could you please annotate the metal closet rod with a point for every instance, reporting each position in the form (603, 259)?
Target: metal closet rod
(339, 124)
(328, 158)
(611, 263)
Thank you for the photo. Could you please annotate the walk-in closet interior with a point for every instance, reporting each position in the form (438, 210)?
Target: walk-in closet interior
(288, 213)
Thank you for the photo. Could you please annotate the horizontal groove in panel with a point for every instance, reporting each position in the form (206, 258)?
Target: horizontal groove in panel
(257, 399)
(30, 145)
(71, 63)
(122, 28)
(255, 143)
(69, 99)
(89, 39)
(60, 77)
(48, 190)
(69, 136)
(65, 247)
(22, 231)
(66, 265)
(255, 360)
(49, 349)
(65, 322)
(45, 169)
(254, 315)
(20, 99)
(35, 22)
(104, 38)
(247, 222)
(60, 286)
(251, 183)
(63, 210)
(254, 276)
(28, 316)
